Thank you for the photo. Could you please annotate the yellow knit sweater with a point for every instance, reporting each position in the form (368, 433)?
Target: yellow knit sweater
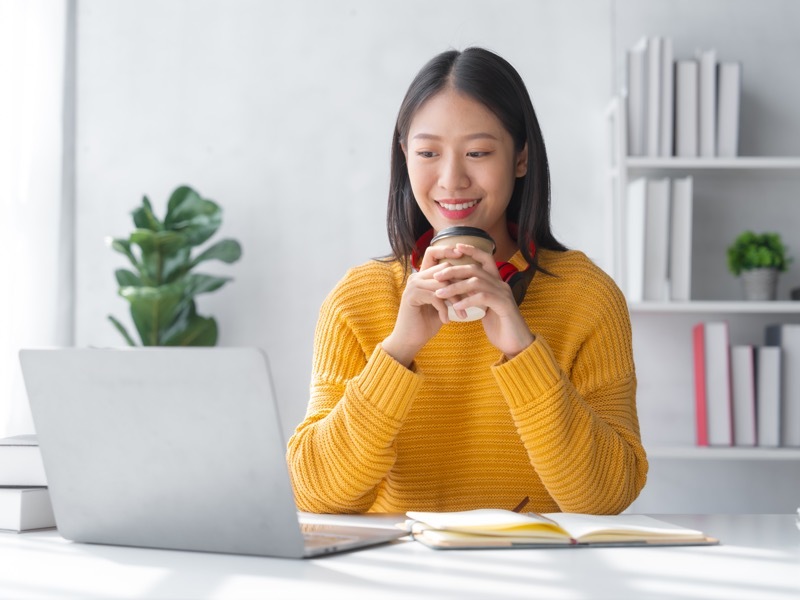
(464, 428)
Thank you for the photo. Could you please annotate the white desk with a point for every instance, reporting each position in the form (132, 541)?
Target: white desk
(759, 559)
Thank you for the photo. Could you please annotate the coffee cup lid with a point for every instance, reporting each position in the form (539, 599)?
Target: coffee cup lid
(461, 230)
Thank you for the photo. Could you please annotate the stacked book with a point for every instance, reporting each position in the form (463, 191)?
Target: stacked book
(685, 107)
(658, 239)
(747, 395)
(24, 498)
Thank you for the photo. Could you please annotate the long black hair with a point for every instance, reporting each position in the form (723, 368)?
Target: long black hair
(492, 81)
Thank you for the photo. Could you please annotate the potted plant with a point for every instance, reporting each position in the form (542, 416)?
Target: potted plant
(758, 259)
(162, 287)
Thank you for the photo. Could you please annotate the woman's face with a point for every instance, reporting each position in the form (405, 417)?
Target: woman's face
(462, 163)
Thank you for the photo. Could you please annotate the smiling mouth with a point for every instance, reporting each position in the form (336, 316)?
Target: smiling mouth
(456, 206)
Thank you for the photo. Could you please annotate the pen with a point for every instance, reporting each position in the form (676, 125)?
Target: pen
(524, 503)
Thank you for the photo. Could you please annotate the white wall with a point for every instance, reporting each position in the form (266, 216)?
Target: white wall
(283, 113)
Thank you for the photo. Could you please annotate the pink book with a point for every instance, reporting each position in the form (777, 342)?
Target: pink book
(700, 403)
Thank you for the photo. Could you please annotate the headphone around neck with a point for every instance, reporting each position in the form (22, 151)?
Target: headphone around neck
(516, 279)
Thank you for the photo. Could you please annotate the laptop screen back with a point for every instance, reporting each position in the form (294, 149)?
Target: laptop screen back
(164, 447)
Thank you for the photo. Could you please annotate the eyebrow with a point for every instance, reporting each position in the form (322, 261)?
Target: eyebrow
(471, 136)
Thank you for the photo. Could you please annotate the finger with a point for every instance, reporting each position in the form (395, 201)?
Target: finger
(463, 272)
(441, 308)
(499, 300)
(461, 312)
(480, 299)
(428, 274)
(436, 254)
(454, 291)
(483, 258)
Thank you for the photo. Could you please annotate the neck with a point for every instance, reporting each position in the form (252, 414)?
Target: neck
(506, 246)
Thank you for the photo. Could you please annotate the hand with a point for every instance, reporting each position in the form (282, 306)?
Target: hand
(421, 312)
(480, 285)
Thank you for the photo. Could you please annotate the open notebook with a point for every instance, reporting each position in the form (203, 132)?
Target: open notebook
(497, 528)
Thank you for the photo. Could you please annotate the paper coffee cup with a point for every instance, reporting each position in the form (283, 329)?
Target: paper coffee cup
(464, 235)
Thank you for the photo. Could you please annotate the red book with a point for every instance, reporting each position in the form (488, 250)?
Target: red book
(713, 398)
(700, 402)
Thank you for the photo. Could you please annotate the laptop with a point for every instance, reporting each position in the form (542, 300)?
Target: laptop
(177, 448)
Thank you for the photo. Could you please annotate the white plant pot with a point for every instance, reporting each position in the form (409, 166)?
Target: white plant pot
(760, 284)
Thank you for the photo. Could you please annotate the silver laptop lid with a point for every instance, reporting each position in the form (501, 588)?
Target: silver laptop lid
(164, 447)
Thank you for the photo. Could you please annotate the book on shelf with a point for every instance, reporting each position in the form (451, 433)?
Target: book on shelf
(686, 108)
(768, 396)
(787, 337)
(497, 528)
(650, 93)
(656, 240)
(712, 378)
(21, 462)
(636, 82)
(680, 243)
(707, 103)
(25, 509)
(647, 239)
(634, 237)
(653, 95)
(743, 387)
(666, 133)
(729, 89)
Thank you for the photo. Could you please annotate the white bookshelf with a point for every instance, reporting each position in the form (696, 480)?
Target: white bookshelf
(713, 453)
(662, 330)
(636, 164)
(623, 168)
(758, 190)
(722, 307)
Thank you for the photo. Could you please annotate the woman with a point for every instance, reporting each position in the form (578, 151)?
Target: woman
(533, 404)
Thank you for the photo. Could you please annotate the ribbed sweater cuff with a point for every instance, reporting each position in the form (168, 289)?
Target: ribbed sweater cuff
(530, 374)
(388, 385)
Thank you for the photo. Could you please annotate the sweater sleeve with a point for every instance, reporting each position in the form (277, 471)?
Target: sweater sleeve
(581, 429)
(344, 448)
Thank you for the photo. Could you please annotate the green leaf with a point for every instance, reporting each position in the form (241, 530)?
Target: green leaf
(197, 283)
(124, 247)
(176, 265)
(144, 218)
(126, 277)
(228, 251)
(121, 328)
(158, 248)
(757, 251)
(153, 309)
(198, 331)
(165, 241)
(195, 217)
(181, 320)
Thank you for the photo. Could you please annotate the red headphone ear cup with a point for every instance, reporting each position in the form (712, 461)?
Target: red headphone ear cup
(507, 271)
(517, 281)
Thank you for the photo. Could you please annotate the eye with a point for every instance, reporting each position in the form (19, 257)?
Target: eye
(426, 153)
(478, 154)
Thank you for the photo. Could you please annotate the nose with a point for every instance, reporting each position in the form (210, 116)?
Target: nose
(453, 174)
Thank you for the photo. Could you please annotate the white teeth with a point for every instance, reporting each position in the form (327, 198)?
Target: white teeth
(463, 206)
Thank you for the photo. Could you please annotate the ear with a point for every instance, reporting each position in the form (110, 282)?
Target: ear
(403, 148)
(521, 162)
